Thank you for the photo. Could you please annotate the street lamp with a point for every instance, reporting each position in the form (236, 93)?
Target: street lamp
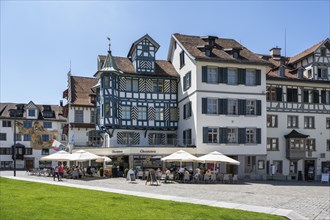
(14, 148)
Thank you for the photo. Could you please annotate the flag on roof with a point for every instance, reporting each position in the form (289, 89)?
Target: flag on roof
(56, 145)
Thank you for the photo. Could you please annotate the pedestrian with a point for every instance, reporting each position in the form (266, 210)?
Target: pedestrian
(60, 171)
(56, 174)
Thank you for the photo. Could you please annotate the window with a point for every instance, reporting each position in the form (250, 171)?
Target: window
(27, 124)
(31, 112)
(322, 73)
(27, 137)
(232, 76)
(187, 81)
(142, 113)
(79, 116)
(309, 74)
(125, 112)
(309, 122)
(274, 94)
(296, 143)
(45, 137)
(94, 138)
(18, 137)
(323, 51)
(173, 114)
(187, 137)
(157, 85)
(232, 107)
(156, 139)
(212, 74)
(250, 107)
(171, 139)
(292, 95)
(127, 138)
(328, 123)
(3, 136)
(45, 152)
(5, 151)
(250, 77)
(132, 85)
(310, 145)
(212, 105)
(93, 116)
(187, 110)
(212, 135)
(250, 164)
(28, 151)
(48, 124)
(6, 124)
(232, 135)
(292, 121)
(182, 62)
(250, 135)
(328, 144)
(272, 144)
(272, 121)
(325, 97)
(159, 114)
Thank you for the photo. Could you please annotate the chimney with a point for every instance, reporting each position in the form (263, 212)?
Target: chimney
(275, 52)
(61, 103)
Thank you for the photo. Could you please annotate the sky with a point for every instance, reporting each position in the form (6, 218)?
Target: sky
(42, 40)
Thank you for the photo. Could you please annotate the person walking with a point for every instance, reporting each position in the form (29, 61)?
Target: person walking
(56, 173)
(60, 171)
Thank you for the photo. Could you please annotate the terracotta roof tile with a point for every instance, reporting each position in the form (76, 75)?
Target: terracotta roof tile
(305, 53)
(81, 90)
(193, 43)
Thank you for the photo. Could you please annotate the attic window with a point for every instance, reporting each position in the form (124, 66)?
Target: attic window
(300, 74)
(235, 54)
(281, 70)
(208, 52)
(323, 52)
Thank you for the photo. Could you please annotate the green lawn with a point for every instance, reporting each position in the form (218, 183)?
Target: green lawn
(30, 200)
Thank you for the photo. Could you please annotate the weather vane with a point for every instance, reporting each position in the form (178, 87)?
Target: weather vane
(109, 43)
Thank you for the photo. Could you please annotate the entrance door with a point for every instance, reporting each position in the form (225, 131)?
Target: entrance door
(29, 164)
(309, 170)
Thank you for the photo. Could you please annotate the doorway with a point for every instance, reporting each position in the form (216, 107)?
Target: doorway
(309, 168)
(29, 164)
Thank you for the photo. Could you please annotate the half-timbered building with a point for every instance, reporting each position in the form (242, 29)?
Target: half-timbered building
(298, 109)
(136, 105)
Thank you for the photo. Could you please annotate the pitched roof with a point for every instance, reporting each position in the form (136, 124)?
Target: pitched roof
(6, 107)
(146, 36)
(305, 52)
(192, 44)
(81, 90)
(295, 134)
(162, 67)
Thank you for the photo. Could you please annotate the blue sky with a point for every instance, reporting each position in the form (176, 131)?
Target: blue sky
(40, 38)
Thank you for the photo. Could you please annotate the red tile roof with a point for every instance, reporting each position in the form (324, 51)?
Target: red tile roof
(305, 52)
(81, 90)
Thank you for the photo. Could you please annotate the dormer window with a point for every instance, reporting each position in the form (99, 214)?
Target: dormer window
(208, 52)
(32, 113)
(300, 74)
(235, 54)
(281, 71)
(309, 74)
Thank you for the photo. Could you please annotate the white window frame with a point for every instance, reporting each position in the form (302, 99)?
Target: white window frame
(232, 76)
(232, 135)
(212, 74)
(232, 107)
(212, 105)
(159, 114)
(213, 134)
(126, 112)
(142, 113)
(251, 77)
(251, 107)
(251, 136)
(309, 122)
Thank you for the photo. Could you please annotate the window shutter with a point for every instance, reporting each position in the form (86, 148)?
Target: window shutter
(278, 94)
(204, 73)
(258, 131)
(189, 110)
(258, 77)
(241, 107)
(242, 135)
(204, 105)
(184, 137)
(241, 76)
(184, 83)
(316, 97)
(222, 75)
(258, 107)
(222, 106)
(184, 112)
(323, 97)
(205, 135)
(223, 133)
(305, 96)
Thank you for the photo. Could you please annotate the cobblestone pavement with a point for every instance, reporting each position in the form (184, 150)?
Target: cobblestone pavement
(310, 199)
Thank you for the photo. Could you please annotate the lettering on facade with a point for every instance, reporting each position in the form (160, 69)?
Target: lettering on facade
(117, 151)
(148, 151)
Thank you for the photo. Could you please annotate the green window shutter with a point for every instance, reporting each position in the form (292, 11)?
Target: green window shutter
(258, 77)
(258, 107)
(242, 135)
(258, 133)
(184, 83)
(204, 73)
(222, 106)
(204, 105)
(223, 133)
(278, 94)
(222, 75)
(184, 137)
(323, 97)
(241, 76)
(184, 112)
(241, 107)
(205, 134)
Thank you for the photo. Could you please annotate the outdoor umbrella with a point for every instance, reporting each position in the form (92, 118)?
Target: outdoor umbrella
(82, 156)
(59, 156)
(180, 156)
(103, 159)
(217, 157)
